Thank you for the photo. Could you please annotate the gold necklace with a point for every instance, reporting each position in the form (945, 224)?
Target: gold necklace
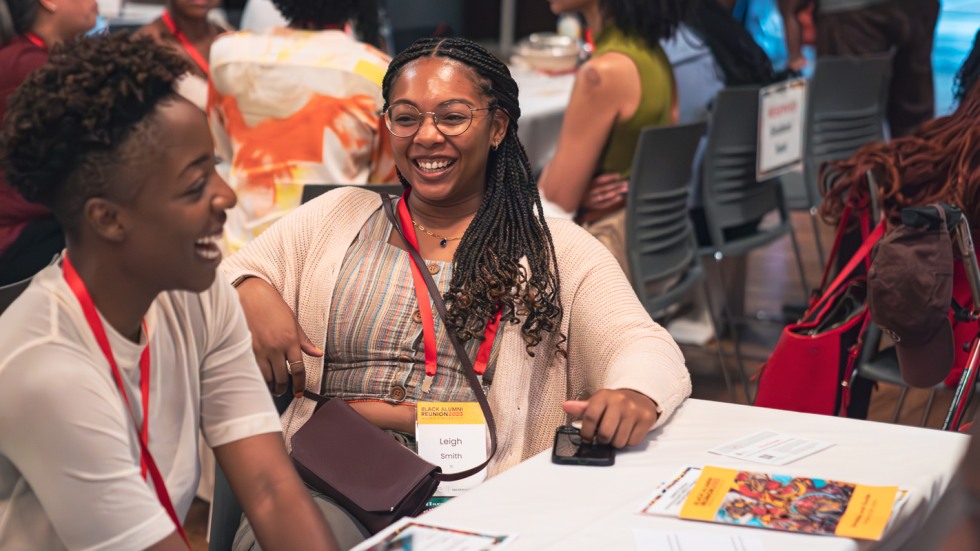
(443, 240)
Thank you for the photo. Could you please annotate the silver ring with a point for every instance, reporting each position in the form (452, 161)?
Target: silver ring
(289, 365)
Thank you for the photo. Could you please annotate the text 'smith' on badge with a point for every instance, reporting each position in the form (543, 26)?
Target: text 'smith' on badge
(452, 435)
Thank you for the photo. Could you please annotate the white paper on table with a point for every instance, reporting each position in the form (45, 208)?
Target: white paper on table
(411, 534)
(669, 496)
(771, 448)
(664, 540)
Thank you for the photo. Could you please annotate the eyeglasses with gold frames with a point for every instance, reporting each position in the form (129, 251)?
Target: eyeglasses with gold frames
(404, 120)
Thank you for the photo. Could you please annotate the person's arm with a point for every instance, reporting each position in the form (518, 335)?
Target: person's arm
(267, 273)
(64, 428)
(277, 337)
(605, 192)
(791, 29)
(277, 505)
(240, 423)
(633, 366)
(605, 88)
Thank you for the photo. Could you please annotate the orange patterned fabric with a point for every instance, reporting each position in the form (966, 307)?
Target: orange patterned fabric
(292, 107)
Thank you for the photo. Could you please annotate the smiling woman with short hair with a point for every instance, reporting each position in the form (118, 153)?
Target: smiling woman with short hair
(129, 346)
(29, 235)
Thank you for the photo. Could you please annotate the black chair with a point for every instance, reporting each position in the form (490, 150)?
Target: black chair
(226, 512)
(10, 292)
(312, 191)
(882, 366)
(735, 202)
(846, 109)
(660, 243)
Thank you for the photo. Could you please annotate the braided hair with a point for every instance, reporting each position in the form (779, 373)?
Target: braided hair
(741, 59)
(939, 162)
(72, 122)
(508, 226)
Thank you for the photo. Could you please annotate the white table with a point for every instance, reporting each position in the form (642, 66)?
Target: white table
(543, 101)
(565, 507)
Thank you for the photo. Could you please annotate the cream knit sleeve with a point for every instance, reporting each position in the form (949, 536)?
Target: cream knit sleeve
(612, 341)
(280, 254)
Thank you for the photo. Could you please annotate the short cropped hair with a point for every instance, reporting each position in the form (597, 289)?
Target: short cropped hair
(66, 124)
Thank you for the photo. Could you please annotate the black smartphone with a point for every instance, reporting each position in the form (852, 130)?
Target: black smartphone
(570, 450)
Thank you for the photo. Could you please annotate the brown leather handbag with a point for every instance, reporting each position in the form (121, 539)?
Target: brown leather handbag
(362, 467)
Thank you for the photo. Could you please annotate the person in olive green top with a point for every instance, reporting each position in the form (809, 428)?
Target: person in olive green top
(626, 86)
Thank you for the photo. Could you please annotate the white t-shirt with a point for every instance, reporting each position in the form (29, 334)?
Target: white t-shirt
(69, 455)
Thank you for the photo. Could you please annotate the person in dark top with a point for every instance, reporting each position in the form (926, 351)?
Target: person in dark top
(907, 27)
(29, 235)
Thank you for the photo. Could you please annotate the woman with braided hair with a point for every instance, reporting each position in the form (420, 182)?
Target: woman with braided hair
(129, 346)
(573, 338)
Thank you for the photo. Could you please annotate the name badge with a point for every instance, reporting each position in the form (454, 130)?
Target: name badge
(452, 435)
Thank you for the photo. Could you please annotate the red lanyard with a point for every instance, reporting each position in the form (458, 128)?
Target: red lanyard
(36, 40)
(425, 309)
(188, 47)
(146, 460)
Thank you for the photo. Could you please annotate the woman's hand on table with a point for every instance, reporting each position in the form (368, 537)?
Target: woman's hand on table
(605, 192)
(620, 417)
(277, 339)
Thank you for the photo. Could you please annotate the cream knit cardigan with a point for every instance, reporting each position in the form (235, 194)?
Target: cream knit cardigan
(612, 342)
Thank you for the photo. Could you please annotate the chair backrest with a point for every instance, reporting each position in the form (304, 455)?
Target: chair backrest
(312, 191)
(10, 292)
(659, 236)
(731, 194)
(226, 512)
(846, 109)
